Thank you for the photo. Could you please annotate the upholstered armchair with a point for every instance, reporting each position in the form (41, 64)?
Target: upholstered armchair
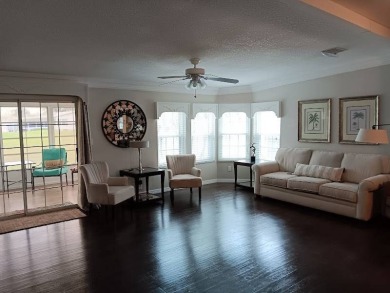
(101, 188)
(182, 173)
(53, 164)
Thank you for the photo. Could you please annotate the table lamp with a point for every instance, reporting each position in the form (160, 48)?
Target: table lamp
(141, 144)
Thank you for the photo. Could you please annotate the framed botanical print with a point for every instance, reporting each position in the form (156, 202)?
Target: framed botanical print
(356, 113)
(314, 120)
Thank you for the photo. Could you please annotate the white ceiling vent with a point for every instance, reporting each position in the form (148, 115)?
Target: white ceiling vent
(332, 52)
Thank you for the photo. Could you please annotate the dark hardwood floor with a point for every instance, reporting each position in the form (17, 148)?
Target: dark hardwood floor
(230, 242)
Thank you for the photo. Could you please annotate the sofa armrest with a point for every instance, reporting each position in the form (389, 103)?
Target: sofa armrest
(265, 168)
(261, 169)
(195, 171)
(374, 183)
(170, 173)
(98, 188)
(365, 194)
(117, 181)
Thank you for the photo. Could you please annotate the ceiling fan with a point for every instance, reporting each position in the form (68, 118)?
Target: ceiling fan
(197, 77)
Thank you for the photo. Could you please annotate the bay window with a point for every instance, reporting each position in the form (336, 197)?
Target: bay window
(233, 136)
(171, 131)
(203, 137)
(266, 135)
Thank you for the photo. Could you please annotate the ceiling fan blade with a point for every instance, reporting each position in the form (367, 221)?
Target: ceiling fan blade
(166, 77)
(229, 80)
(172, 81)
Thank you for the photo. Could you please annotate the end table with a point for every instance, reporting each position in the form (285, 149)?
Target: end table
(246, 163)
(145, 173)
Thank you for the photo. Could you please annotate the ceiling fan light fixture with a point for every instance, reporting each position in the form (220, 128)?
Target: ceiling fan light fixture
(191, 85)
(196, 84)
(202, 83)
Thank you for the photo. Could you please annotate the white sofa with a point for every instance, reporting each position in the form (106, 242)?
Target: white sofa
(341, 183)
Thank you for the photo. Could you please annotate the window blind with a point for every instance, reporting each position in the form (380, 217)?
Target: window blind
(233, 136)
(266, 135)
(203, 137)
(171, 132)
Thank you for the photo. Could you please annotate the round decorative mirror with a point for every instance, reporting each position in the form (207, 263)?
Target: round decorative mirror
(123, 121)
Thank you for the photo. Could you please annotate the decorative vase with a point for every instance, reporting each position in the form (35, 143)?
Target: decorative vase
(253, 152)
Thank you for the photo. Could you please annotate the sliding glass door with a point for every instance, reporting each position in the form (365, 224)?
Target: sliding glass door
(11, 161)
(37, 154)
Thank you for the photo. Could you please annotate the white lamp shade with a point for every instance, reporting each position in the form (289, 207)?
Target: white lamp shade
(376, 136)
(139, 144)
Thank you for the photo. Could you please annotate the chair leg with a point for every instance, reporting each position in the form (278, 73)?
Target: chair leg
(200, 193)
(61, 181)
(191, 190)
(172, 195)
(66, 177)
(32, 183)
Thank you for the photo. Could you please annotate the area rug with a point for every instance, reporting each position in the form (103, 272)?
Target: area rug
(21, 223)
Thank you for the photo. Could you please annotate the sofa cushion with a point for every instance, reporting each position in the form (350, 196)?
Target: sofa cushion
(360, 166)
(278, 179)
(184, 181)
(325, 158)
(308, 184)
(288, 158)
(333, 174)
(343, 191)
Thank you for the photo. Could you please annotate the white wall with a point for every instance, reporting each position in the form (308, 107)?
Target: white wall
(123, 158)
(42, 86)
(373, 81)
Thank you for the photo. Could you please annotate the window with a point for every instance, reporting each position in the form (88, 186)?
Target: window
(171, 131)
(35, 131)
(266, 135)
(65, 130)
(233, 136)
(44, 125)
(203, 137)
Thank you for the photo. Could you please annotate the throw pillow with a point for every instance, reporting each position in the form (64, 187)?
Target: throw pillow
(52, 164)
(333, 174)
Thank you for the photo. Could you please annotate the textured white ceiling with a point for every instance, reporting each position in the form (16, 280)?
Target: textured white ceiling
(129, 43)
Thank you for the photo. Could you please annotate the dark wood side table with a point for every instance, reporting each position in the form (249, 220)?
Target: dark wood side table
(145, 173)
(383, 195)
(245, 163)
(73, 171)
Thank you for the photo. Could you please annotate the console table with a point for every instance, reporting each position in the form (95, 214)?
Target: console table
(145, 173)
(245, 163)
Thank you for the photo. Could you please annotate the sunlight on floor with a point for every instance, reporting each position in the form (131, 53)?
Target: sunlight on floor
(36, 200)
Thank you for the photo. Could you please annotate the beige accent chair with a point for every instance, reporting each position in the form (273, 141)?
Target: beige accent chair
(183, 174)
(102, 189)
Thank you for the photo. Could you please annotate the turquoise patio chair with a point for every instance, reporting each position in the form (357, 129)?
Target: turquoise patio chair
(54, 162)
